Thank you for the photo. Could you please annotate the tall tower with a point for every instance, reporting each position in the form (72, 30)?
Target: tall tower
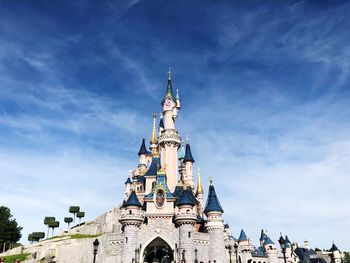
(169, 139)
(215, 226)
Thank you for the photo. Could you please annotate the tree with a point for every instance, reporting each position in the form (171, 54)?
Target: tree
(347, 257)
(48, 219)
(36, 236)
(53, 225)
(10, 232)
(80, 215)
(68, 220)
(74, 210)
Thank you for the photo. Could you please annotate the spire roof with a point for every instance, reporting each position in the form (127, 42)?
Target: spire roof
(188, 154)
(242, 236)
(334, 248)
(213, 204)
(153, 168)
(199, 183)
(263, 235)
(128, 181)
(287, 240)
(161, 123)
(142, 148)
(177, 95)
(187, 198)
(268, 241)
(169, 89)
(132, 200)
(182, 151)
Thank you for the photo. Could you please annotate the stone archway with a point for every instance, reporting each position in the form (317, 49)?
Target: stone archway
(158, 251)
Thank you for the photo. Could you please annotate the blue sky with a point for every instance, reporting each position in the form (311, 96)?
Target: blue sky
(265, 102)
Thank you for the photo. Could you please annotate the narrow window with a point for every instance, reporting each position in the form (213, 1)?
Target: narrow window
(189, 234)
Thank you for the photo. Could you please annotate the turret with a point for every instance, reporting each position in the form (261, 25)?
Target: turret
(200, 193)
(181, 155)
(262, 237)
(161, 124)
(336, 256)
(185, 219)
(214, 226)
(270, 249)
(188, 161)
(131, 217)
(178, 100)
(142, 154)
(127, 187)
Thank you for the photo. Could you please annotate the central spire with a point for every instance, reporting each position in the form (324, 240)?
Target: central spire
(200, 189)
(153, 141)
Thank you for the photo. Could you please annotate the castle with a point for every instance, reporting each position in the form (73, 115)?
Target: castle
(164, 216)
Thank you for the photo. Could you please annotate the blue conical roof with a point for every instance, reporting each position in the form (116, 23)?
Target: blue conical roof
(181, 154)
(268, 241)
(153, 168)
(187, 198)
(188, 154)
(334, 248)
(242, 236)
(132, 200)
(128, 181)
(287, 240)
(213, 204)
(262, 236)
(161, 123)
(142, 148)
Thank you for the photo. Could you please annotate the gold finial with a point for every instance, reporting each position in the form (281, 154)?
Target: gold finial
(169, 73)
(199, 183)
(211, 180)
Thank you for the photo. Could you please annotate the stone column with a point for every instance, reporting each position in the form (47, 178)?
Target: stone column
(130, 243)
(217, 245)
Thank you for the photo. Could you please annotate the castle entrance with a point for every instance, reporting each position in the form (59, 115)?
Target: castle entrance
(158, 251)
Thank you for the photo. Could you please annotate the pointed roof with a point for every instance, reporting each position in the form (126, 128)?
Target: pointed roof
(268, 241)
(334, 248)
(132, 200)
(142, 148)
(182, 151)
(169, 89)
(287, 240)
(161, 123)
(186, 198)
(177, 95)
(213, 204)
(128, 181)
(153, 168)
(263, 235)
(200, 189)
(242, 236)
(188, 154)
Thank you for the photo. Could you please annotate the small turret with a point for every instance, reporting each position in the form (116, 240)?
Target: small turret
(178, 100)
(213, 204)
(188, 161)
(262, 237)
(336, 256)
(127, 187)
(142, 153)
(161, 123)
(215, 226)
(242, 236)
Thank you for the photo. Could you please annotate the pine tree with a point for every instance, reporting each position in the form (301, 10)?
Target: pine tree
(10, 232)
